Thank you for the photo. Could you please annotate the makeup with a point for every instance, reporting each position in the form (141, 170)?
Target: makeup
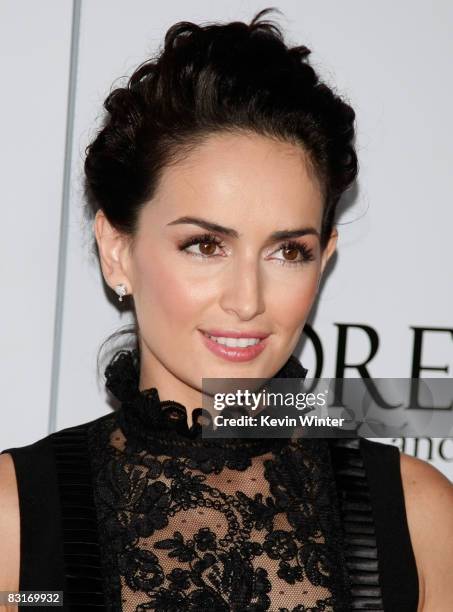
(234, 353)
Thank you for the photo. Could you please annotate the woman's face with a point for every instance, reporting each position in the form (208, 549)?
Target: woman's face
(211, 256)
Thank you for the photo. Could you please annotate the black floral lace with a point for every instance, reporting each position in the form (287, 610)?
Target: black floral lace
(193, 524)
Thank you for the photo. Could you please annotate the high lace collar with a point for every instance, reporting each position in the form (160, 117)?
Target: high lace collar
(144, 418)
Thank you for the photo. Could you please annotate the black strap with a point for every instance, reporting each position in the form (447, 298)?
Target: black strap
(361, 551)
(84, 589)
(398, 569)
(59, 536)
(41, 552)
(378, 549)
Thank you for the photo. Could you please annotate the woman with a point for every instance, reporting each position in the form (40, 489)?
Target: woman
(214, 183)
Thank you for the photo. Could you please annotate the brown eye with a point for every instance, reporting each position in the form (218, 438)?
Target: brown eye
(290, 253)
(295, 253)
(207, 248)
(202, 246)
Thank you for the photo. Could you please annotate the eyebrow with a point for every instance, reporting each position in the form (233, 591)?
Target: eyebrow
(228, 231)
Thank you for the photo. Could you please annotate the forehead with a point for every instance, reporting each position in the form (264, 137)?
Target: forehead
(244, 177)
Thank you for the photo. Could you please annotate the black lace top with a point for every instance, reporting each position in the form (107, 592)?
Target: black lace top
(138, 512)
(193, 524)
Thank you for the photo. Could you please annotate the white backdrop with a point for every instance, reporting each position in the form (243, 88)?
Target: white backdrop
(393, 270)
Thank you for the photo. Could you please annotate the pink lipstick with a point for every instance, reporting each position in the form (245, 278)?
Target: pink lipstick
(235, 346)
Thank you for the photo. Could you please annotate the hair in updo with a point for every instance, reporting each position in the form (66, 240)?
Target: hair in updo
(232, 77)
(208, 79)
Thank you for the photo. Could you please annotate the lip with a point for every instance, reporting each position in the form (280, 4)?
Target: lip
(235, 353)
(234, 334)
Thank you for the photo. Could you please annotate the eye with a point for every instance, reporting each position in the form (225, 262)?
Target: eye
(295, 253)
(206, 245)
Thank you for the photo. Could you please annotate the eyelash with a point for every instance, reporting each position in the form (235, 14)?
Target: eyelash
(306, 252)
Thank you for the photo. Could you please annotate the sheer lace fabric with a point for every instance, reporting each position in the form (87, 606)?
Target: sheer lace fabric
(195, 524)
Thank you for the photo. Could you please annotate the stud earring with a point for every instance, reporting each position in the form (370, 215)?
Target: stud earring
(121, 290)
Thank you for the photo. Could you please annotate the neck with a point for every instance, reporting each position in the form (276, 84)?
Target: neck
(154, 374)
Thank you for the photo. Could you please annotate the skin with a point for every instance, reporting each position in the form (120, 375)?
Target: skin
(256, 186)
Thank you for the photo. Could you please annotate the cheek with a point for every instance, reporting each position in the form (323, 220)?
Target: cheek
(290, 306)
(167, 296)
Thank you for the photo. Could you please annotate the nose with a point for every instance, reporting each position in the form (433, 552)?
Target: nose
(242, 292)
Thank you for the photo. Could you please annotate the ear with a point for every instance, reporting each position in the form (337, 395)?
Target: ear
(114, 253)
(329, 249)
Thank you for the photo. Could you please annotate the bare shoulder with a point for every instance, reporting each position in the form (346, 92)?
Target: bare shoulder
(9, 526)
(428, 496)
